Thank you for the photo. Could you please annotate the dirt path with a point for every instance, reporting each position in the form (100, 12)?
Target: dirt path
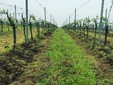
(28, 77)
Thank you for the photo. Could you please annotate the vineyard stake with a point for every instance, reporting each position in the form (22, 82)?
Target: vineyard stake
(26, 32)
(100, 25)
(75, 18)
(50, 18)
(15, 12)
(45, 15)
(69, 19)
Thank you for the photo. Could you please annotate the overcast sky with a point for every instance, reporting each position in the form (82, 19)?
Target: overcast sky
(60, 9)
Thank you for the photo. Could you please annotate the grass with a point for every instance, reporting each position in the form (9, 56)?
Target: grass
(67, 64)
(7, 38)
(110, 39)
(96, 56)
(14, 63)
(34, 65)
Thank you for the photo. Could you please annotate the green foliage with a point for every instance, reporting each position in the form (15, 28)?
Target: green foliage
(2, 11)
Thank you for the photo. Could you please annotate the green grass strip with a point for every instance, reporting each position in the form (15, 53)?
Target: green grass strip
(68, 66)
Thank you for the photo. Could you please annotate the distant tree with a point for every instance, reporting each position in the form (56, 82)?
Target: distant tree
(87, 21)
(1, 20)
(95, 32)
(48, 26)
(7, 23)
(106, 33)
(2, 24)
(80, 26)
(30, 25)
(38, 28)
(23, 23)
(75, 26)
(84, 28)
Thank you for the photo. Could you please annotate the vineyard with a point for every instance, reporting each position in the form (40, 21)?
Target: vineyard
(37, 51)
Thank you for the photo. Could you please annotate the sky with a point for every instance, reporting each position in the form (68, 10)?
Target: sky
(59, 9)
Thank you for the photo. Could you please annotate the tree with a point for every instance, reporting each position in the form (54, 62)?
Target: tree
(37, 23)
(12, 22)
(1, 20)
